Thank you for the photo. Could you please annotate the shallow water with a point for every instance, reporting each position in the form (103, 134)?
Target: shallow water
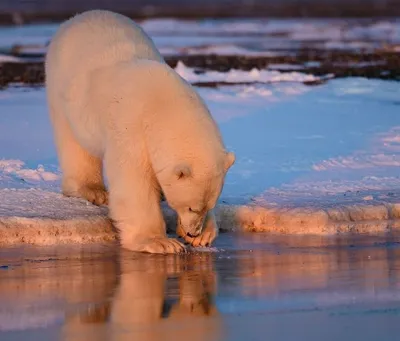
(252, 287)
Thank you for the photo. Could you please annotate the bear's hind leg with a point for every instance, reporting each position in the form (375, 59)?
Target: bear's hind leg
(82, 174)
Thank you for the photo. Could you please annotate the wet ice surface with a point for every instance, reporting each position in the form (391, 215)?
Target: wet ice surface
(255, 287)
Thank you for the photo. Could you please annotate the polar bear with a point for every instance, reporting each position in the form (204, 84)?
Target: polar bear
(115, 104)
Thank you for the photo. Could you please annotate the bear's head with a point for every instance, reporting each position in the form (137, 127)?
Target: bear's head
(192, 191)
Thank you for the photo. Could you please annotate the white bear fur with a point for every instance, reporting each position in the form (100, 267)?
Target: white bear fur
(113, 101)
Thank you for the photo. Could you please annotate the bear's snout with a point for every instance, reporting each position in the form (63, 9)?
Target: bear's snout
(191, 230)
(193, 235)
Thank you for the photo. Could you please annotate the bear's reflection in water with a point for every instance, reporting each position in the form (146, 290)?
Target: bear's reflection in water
(108, 295)
(156, 298)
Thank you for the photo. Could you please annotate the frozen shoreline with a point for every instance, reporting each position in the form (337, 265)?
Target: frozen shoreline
(46, 218)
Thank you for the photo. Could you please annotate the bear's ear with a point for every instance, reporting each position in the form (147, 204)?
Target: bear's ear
(229, 160)
(182, 171)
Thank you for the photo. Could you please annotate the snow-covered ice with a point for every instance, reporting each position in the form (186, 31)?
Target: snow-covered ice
(285, 134)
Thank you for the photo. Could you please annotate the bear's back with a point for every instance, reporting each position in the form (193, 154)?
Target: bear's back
(97, 38)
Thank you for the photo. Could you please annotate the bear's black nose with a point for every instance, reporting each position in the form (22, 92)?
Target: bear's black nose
(192, 235)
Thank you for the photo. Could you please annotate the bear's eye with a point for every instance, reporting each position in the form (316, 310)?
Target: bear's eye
(193, 210)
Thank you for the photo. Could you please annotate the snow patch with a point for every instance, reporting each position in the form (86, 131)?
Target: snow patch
(328, 193)
(7, 59)
(239, 76)
(235, 101)
(224, 50)
(285, 67)
(44, 218)
(384, 152)
(359, 162)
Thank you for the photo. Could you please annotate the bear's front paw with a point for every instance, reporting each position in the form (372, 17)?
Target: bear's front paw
(161, 245)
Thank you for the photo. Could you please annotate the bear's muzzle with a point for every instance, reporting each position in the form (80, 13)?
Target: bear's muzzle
(191, 231)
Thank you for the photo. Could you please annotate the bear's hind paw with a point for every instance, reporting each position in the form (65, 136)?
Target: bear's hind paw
(96, 195)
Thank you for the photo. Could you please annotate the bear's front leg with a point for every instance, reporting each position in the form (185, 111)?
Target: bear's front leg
(208, 234)
(134, 205)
